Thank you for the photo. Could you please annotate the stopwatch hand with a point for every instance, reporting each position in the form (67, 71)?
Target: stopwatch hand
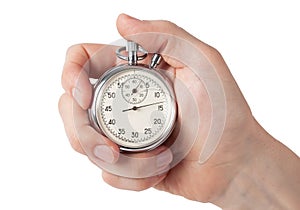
(137, 107)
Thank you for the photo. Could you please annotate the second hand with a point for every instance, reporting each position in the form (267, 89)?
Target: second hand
(137, 107)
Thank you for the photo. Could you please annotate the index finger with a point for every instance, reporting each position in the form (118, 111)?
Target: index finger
(82, 62)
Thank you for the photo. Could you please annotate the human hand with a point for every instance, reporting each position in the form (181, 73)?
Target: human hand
(202, 180)
(190, 179)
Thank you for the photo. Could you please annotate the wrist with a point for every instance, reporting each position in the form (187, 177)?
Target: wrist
(268, 179)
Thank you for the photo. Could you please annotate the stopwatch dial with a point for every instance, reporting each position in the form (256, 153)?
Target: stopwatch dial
(136, 108)
(134, 90)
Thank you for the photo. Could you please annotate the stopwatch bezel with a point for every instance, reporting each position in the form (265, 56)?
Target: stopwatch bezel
(98, 92)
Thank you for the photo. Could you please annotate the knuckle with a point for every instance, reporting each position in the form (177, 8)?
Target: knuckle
(73, 139)
(76, 57)
(168, 25)
(125, 183)
(73, 48)
(69, 76)
(61, 103)
(142, 185)
(63, 107)
(214, 53)
(111, 179)
(74, 142)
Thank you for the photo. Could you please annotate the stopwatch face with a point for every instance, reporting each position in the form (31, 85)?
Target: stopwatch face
(134, 106)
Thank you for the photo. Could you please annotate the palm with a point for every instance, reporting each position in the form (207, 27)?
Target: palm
(212, 176)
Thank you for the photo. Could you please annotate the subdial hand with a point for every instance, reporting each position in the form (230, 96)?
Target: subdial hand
(137, 107)
(135, 90)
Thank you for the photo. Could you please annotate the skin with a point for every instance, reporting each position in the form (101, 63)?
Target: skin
(245, 170)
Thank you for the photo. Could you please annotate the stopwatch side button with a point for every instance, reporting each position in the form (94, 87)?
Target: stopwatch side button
(155, 60)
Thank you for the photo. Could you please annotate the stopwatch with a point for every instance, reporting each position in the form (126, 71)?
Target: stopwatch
(134, 104)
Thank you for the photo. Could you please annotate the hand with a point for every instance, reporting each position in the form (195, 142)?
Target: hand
(242, 141)
(233, 143)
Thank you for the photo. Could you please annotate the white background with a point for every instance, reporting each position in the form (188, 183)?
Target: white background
(38, 169)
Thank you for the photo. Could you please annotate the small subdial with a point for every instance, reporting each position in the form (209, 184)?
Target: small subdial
(134, 90)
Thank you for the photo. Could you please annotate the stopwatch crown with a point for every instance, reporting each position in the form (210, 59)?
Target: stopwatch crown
(132, 49)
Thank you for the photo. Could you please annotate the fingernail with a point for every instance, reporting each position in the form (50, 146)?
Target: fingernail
(164, 159)
(104, 153)
(77, 96)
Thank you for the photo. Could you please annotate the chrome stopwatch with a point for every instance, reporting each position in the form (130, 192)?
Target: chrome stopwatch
(134, 104)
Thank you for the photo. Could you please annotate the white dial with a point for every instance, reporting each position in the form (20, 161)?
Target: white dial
(134, 106)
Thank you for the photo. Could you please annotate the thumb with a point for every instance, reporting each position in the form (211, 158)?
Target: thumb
(128, 25)
(149, 33)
